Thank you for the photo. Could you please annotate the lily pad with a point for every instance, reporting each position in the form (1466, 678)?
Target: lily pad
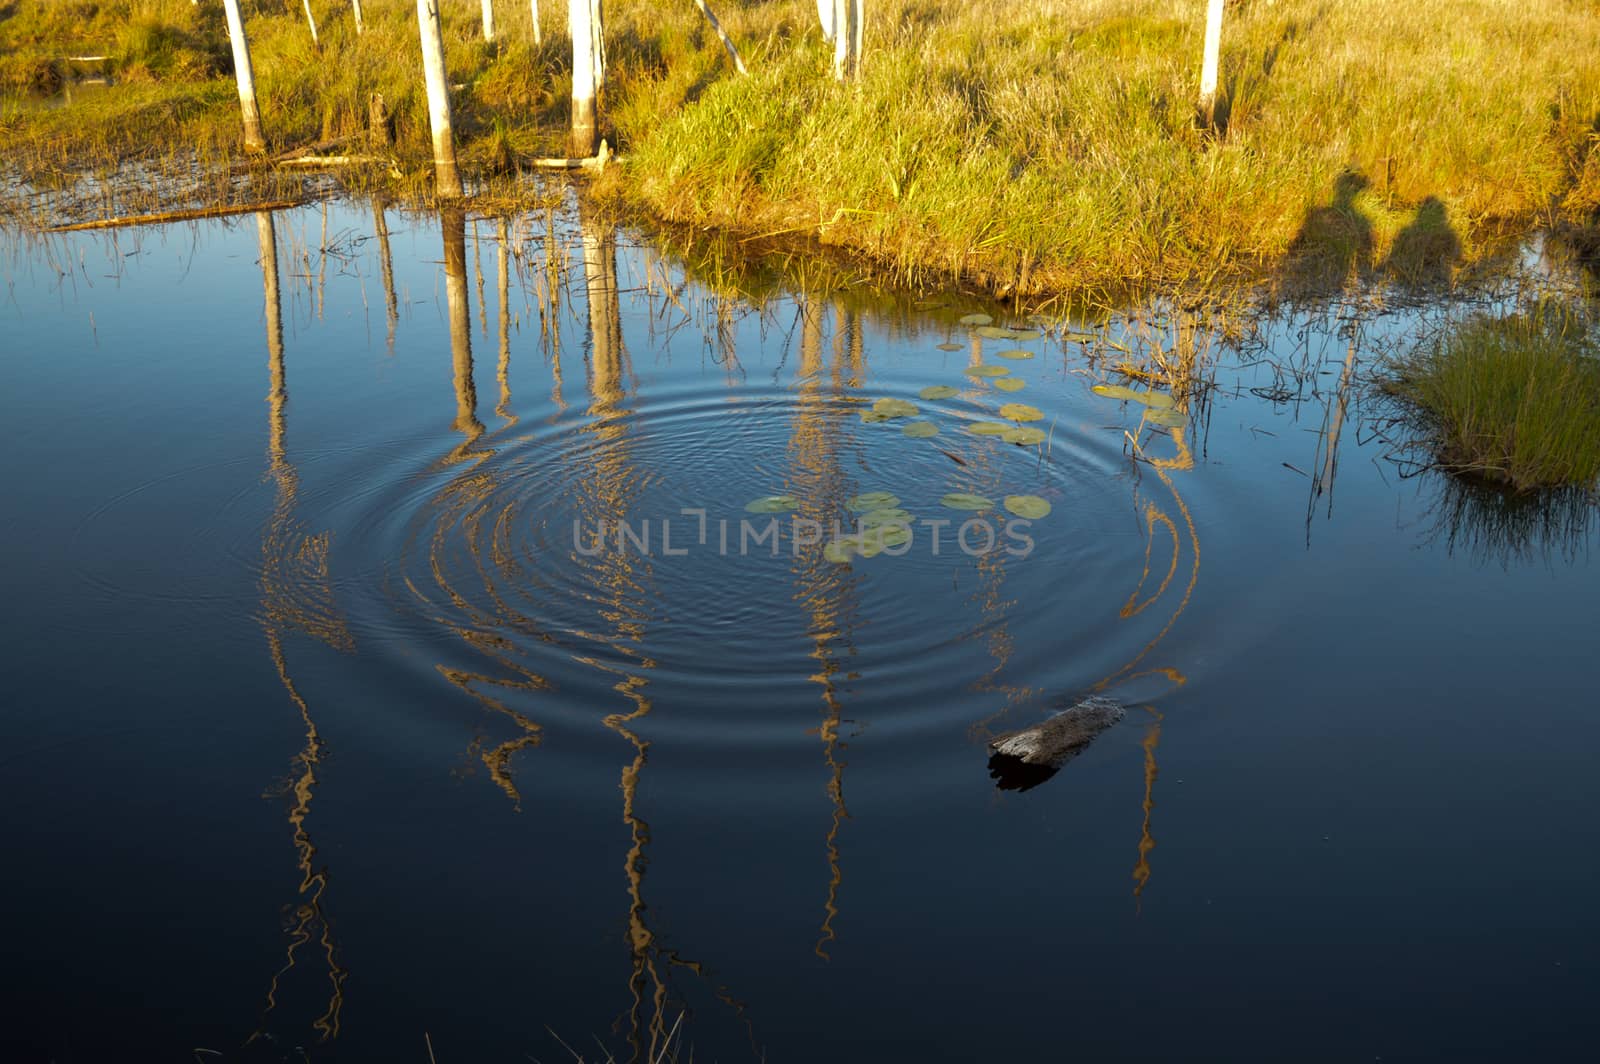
(960, 500)
(1025, 334)
(1026, 435)
(939, 391)
(872, 500)
(1079, 337)
(772, 504)
(1016, 354)
(882, 536)
(894, 408)
(995, 332)
(949, 347)
(1020, 412)
(1172, 419)
(872, 417)
(1028, 507)
(840, 550)
(986, 371)
(889, 515)
(987, 428)
(1158, 400)
(1009, 384)
(976, 319)
(920, 430)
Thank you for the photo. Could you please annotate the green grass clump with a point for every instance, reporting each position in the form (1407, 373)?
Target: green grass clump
(1514, 400)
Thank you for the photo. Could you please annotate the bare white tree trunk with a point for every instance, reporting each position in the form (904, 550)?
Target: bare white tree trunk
(733, 53)
(858, 30)
(355, 6)
(584, 125)
(446, 179)
(312, 22)
(1208, 69)
(849, 24)
(537, 36)
(253, 141)
(488, 20)
(597, 27)
(825, 16)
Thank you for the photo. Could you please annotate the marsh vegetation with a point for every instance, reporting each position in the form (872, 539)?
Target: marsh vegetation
(1020, 148)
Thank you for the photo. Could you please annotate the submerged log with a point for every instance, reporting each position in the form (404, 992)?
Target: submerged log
(174, 216)
(1021, 760)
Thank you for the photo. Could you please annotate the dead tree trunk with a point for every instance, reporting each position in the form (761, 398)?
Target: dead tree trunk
(533, 6)
(446, 178)
(311, 21)
(249, 112)
(488, 21)
(849, 21)
(1211, 62)
(733, 53)
(585, 126)
(355, 7)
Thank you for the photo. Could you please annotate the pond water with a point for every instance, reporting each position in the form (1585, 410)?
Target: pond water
(335, 728)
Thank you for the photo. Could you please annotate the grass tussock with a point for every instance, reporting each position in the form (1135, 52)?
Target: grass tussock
(1514, 401)
(1021, 147)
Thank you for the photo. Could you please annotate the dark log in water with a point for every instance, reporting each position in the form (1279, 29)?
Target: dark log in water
(1021, 760)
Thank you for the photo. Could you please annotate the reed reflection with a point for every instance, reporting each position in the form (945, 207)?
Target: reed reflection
(296, 596)
(391, 303)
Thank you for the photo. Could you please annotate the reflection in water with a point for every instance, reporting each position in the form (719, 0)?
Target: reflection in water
(1326, 462)
(1493, 526)
(296, 595)
(1147, 842)
(391, 304)
(462, 511)
(826, 592)
(502, 409)
(453, 223)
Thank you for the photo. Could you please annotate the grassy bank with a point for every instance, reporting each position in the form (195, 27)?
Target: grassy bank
(1022, 147)
(1514, 401)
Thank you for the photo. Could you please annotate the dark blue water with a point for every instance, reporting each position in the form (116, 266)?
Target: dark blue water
(328, 732)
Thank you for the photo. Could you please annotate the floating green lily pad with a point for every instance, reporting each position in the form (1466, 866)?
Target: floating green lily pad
(986, 371)
(949, 347)
(987, 428)
(872, 500)
(939, 391)
(840, 550)
(1025, 334)
(995, 332)
(1029, 507)
(1009, 384)
(1016, 354)
(1020, 412)
(882, 536)
(1079, 337)
(872, 417)
(772, 504)
(976, 319)
(1026, 435)
(1172, 419)
(1158, 400)
(889, 515)
(894, 408)
(920, 430)
(960, 500)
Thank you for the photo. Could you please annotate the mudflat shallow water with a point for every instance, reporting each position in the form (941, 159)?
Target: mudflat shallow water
(391, 661)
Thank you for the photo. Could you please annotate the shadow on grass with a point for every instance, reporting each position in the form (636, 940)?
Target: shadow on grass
(1335, 244)
(1427, 251)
